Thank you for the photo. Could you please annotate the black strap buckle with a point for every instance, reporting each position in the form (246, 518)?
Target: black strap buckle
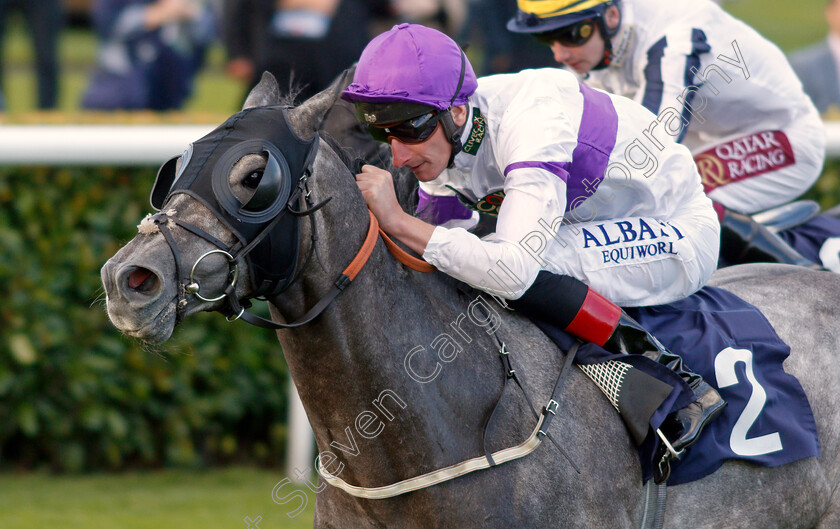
(504, 354)
(342, 282)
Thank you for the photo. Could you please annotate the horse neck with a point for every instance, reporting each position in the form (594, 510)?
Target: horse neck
(349, 364)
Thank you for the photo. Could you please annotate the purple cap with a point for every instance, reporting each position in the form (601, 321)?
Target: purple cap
(415, 64)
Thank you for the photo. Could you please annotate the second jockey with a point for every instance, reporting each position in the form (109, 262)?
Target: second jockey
(716, 86)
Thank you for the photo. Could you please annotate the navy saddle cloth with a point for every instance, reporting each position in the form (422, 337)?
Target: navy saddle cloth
(768, 420)
(818, 240)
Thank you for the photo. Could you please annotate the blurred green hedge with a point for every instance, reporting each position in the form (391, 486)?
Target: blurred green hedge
(827, 189)
(77, 395)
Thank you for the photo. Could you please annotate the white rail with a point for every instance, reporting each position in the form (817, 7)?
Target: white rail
(142, 144)
(832, 134)
(95, 144)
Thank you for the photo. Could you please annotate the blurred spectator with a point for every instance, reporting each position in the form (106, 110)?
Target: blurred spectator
(504, 51)
(818, 66)
(244, 32)
(304, 43)
(446, 15)
(149, 53)
(45, 21)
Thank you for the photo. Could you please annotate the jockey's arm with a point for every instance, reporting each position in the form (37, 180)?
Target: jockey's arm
(377, 187)
(499, 264)
(668, 77)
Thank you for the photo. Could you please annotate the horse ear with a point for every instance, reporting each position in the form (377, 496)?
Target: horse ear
(267, 92)
(318, 107)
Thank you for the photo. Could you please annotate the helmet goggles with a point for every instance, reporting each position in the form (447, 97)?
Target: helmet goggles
(573, 35)
(414, 130)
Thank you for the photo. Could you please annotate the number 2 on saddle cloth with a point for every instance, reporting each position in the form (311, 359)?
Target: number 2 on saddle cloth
(733, 346)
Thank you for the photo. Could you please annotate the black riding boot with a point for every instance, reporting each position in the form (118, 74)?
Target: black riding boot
(571, 305)
(630, 337)
(743, 240)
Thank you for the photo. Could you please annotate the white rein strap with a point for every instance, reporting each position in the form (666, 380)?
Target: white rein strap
(465, 467)
(438, 476)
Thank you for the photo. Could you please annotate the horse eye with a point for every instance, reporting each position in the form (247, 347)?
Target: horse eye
(252, 180)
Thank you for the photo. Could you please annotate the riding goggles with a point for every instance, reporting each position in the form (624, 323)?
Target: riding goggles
(414, 130)
(573, 35)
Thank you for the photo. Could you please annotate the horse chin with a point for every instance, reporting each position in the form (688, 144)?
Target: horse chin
(156, 329)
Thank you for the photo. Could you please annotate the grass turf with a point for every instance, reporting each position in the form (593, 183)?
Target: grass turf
(170, 499)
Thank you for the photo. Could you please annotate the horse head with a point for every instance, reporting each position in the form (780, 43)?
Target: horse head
(232, 212)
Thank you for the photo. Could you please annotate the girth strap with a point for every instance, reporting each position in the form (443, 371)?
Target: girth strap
(465, 467)
(654, 499)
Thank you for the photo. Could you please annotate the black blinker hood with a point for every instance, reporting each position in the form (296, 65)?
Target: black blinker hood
(204, 175)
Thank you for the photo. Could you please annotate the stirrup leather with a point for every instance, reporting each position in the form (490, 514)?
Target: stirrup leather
(663, 466)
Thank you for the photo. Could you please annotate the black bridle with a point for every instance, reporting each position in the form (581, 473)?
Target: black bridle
(269, 243)
(235, 309)
(265, 227)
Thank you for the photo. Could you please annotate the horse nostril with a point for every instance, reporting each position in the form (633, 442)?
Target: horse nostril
(142, 280)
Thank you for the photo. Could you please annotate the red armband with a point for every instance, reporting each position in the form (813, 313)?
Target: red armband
(596, 320)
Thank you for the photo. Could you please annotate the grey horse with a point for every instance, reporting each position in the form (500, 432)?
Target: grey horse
(379, 418)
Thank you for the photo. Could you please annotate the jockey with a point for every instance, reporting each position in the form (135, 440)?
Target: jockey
(716, 86)
(588, 219)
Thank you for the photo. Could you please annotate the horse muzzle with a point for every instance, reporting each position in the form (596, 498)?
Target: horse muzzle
(139, 301)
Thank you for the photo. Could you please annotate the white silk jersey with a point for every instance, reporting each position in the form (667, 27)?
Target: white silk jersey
(726, 92)
(581, 187)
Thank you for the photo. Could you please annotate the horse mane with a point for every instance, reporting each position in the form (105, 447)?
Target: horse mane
(353, 158)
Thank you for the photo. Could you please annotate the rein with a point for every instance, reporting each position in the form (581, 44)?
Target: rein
(344, 279)
(549, 411)
(402, 256)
